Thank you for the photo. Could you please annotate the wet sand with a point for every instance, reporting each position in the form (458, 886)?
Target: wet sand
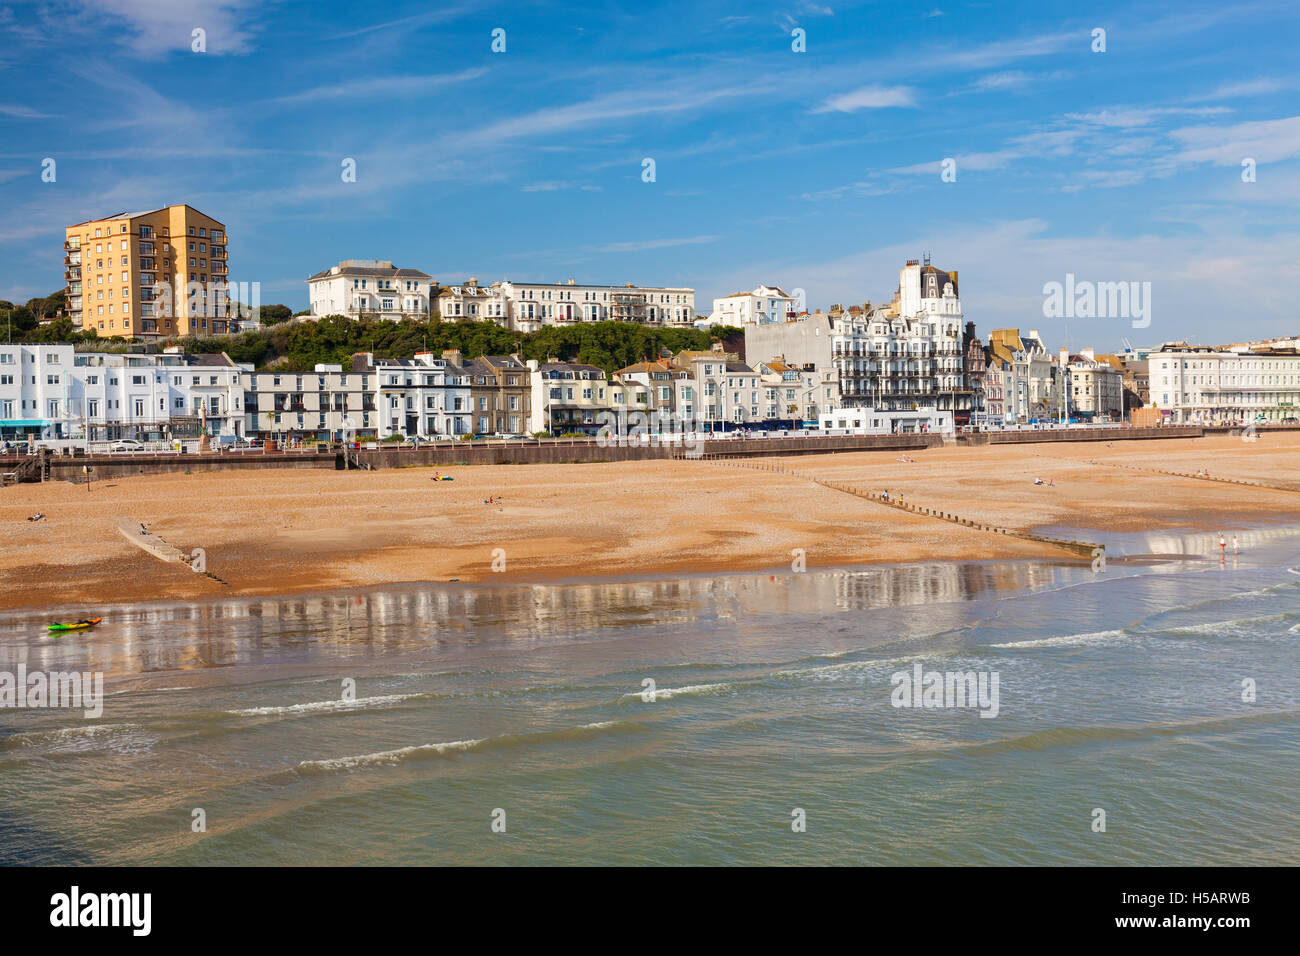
(283, 531)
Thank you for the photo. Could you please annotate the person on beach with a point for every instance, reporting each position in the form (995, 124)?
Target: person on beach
(1223, 544)
(1234, 546)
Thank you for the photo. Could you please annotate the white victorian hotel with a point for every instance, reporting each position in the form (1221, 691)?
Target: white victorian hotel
(908, 354)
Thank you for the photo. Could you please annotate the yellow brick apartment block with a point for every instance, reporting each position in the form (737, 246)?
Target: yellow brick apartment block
(113, 267)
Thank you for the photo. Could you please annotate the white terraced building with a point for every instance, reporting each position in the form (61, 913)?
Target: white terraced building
(1199, 385)
(528, 306)
(425, 396)
(52, 392)
(370, 288)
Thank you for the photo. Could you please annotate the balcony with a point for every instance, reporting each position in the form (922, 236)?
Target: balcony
(72, 274)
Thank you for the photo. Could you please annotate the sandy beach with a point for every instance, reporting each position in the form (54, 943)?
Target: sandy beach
(284, 531)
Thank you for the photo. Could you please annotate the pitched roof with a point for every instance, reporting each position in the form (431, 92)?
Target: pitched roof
(371, 271)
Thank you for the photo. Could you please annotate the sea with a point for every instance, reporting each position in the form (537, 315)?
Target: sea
(1144, 713)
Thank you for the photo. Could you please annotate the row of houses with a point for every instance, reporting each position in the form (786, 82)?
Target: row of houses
(54, 392)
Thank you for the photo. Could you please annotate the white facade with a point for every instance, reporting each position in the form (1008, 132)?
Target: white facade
(1203, 387)
(869, 421)
(527, 307)
(424, 396)
(764, 306)
(36, 391)
(50, 391)
(370, 287)
(725, 392)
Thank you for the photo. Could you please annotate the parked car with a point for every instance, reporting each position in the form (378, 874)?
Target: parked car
(125, 444)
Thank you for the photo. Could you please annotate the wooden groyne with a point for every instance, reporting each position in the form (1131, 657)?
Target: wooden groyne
(1292, 489)
(1083, 549)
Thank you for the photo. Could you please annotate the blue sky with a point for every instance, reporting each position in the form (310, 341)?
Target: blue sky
(818, 170)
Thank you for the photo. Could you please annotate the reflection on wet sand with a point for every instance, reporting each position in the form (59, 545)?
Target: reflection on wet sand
(214, 634)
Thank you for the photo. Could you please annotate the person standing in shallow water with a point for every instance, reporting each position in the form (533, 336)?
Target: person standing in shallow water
(1223, 544)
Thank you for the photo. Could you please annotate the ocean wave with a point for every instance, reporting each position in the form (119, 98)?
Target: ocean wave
(1233, 627)
(667, 693)
(453, 747)
(63, 735)
(389, 756)
(951, 657)
(361, 703)
(1067, 640)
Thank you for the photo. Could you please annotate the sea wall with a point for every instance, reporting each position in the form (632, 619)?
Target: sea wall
(69, 468)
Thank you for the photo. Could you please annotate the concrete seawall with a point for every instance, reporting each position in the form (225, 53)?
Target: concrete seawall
(1029, 437)
(67, 468)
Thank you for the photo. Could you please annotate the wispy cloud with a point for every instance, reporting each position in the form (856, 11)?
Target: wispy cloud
(1232, 91)
(869, 98)
(21, 112)
(644, 244)
(415, 20)
(1143, 117)
(1264, 141)
(555, 185)
(1014, 80)
(405, 86)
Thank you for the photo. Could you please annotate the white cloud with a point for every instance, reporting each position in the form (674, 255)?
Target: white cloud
(1264, 141)
(869, 97)
(165, 26)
